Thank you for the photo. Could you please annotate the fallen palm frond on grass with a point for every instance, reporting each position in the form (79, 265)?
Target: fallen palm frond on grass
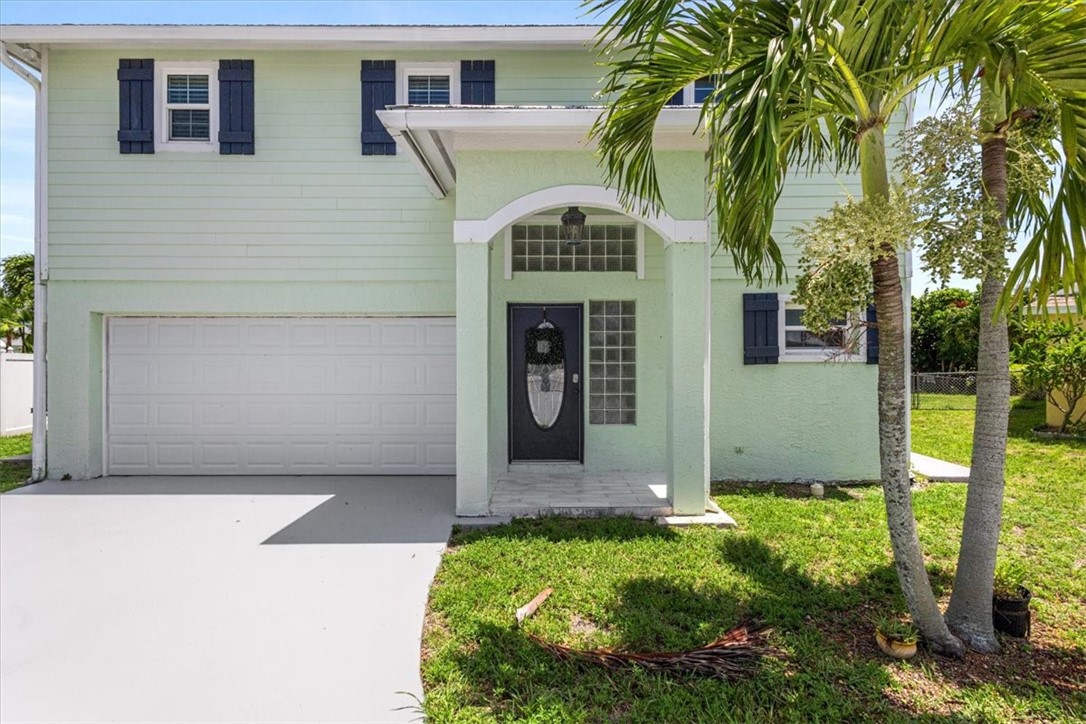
(735, 654)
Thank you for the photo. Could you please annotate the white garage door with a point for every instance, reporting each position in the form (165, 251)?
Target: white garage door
(250, 396)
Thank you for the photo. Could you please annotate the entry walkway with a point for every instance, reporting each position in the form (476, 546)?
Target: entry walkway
(532, 493)
(939, 471)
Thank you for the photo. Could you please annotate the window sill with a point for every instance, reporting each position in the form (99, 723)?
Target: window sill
(186, 147)
(822, 357)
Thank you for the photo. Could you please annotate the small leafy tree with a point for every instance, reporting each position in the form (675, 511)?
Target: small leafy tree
(1055, 359)
(17, 300)
(945, 329)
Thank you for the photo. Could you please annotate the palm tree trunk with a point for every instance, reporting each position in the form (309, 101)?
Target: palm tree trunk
(969, 614)
(893, 457)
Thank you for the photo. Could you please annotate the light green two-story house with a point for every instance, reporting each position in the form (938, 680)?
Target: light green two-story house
(391, 251)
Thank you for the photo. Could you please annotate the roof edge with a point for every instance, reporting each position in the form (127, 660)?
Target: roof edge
(324, 36)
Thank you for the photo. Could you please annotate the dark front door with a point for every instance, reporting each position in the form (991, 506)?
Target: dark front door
(545, 371)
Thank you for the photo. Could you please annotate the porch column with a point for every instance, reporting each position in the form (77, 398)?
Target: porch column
(688, 310)
(472, 378)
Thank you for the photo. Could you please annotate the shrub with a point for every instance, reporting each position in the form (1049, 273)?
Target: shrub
(1055, 361)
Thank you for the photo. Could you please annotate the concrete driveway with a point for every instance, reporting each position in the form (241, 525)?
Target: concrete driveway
(221, 599)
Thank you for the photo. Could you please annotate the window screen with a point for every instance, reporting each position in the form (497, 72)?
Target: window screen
(428, 90)
(188, 102)
(187, 89)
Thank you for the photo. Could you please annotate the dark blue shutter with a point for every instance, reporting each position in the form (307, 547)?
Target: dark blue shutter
(477, 82)
(872, 336)
(760, 344)
(677, 99)
(136, 132)
(236, 112)
(378, 92)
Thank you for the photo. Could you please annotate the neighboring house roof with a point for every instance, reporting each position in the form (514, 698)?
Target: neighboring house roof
(340, 37)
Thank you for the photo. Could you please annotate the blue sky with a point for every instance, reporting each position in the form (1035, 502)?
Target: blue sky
(17, 100)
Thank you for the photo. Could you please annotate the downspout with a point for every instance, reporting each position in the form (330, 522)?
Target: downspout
(41, 268)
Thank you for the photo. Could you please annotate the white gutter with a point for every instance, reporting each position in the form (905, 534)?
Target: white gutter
(41, 268)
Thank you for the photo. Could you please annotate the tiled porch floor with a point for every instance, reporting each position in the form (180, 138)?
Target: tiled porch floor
(524, 493)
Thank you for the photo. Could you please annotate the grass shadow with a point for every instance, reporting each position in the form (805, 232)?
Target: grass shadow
(555, 529)
(833, 669)
(1028, 414)
(746, 489)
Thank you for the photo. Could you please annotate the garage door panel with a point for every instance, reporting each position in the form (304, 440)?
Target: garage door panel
(233, 396)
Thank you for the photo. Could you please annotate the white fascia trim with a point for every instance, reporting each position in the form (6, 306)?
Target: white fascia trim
(481, 231)
(359, 37)
(418, 131)
(522, 118)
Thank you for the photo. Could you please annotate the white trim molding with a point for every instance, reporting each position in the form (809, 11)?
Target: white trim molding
(429, 135)
(449, 69)
(331, 37)
(481, 231)
(162, 108)
(817, 354)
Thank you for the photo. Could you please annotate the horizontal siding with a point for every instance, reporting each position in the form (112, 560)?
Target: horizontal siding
(307, 206)
(805, 196)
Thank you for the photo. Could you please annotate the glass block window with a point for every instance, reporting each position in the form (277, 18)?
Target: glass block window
(606, 248)
(612, 366)
(188, 102)
(428, 90)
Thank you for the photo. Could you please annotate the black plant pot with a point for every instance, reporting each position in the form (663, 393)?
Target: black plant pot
(1011, 615)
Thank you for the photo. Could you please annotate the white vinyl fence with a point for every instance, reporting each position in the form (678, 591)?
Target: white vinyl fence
(16, 392)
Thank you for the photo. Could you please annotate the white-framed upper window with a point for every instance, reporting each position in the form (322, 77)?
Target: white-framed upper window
(843, 342)
(694, 94)
(186, 106)
(428, 84)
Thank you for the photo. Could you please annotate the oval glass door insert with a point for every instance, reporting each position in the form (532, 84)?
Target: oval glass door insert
(545, 372)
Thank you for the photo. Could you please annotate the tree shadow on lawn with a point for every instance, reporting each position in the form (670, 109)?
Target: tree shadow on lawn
(832, 668)
(1028, 414)
(849, 620)
(656, 613)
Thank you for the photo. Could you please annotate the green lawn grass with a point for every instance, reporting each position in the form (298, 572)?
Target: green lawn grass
(933, 401)
(13, 475)
(818, 571)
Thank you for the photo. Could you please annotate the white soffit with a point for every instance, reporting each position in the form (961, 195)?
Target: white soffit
(431, 136)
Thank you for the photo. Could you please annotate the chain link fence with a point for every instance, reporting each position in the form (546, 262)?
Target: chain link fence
(948, 390)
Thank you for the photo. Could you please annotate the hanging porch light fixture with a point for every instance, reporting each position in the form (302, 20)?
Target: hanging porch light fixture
(573, 226)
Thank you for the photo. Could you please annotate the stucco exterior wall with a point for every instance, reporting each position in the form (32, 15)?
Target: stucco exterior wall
(308, 226)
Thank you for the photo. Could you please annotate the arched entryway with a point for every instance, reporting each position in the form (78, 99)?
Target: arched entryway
(663, 327)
